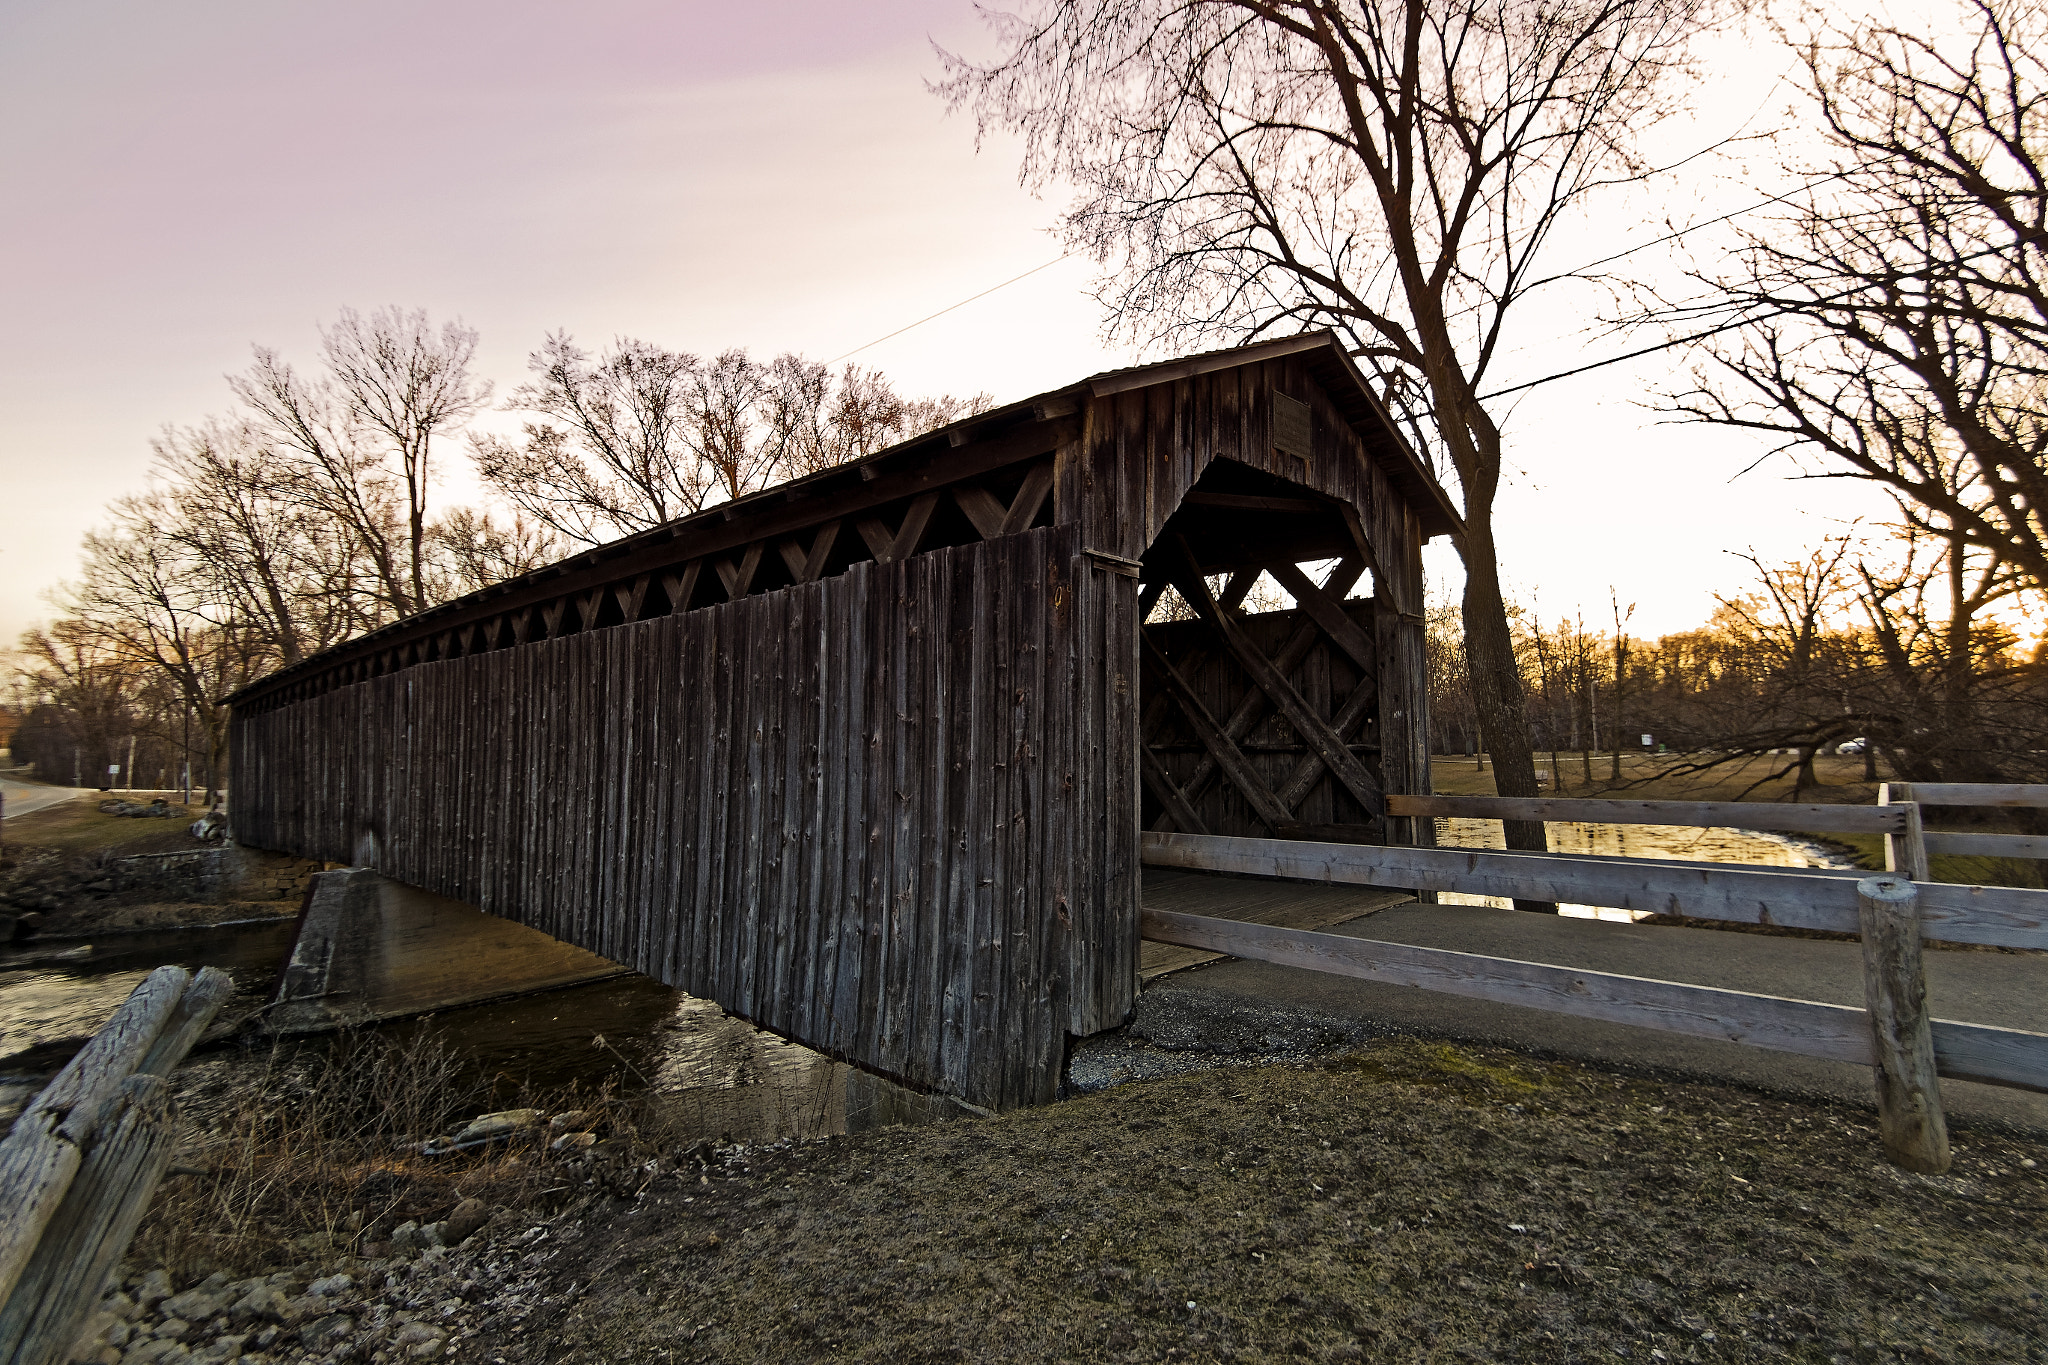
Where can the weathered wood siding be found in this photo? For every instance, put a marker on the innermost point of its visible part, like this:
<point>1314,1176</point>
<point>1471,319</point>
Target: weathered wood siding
<point>890,814</point>
<point>1142,450</point>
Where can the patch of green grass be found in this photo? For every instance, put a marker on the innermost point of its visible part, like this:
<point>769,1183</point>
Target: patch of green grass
<point>1656,777</point>
<point>1418,1063</point>
<point>1452,1061</point>
<point>79,826</point>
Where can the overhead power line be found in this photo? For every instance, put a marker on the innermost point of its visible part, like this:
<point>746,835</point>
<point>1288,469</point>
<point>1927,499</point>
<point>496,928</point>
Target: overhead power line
<point>950,307</point>
<point>1749,320</point>
<point>1604,260</point>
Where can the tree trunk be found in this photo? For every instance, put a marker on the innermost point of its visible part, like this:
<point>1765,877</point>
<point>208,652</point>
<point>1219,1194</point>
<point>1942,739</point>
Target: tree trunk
<point>1497,694</point>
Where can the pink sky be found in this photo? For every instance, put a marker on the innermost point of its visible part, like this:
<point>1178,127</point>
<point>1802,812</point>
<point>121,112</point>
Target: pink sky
<point>184,180</point>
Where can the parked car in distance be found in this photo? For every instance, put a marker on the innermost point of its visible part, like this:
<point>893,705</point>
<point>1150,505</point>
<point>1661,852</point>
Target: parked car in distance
<point>1852,746</point>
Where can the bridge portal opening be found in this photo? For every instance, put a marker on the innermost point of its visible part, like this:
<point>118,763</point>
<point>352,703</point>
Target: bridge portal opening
<point>1260,667</point>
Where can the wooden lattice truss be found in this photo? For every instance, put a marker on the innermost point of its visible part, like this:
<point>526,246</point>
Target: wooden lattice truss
<point>989,485</point>
<point>1264,723</point>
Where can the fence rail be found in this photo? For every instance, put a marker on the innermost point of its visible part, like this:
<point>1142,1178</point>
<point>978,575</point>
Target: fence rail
<point>1898,816</point>
<point>1892,1033</point>
<point>1810,819</point>
<point>1792,898</point>
<point>1987,845</point>
<point>1809,1028</point>
<point>2012,795</point>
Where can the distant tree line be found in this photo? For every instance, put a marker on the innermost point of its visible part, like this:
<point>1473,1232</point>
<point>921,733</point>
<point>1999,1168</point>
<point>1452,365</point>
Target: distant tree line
<point>1908,651</point>
<point>309,513</point>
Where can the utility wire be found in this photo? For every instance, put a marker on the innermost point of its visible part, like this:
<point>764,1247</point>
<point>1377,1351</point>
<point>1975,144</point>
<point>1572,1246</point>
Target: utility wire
<point>1604,260</point>
<point>1631,355</point>
<point>1750,320</point>
<point>950,307</point>
<point>1681,232</point>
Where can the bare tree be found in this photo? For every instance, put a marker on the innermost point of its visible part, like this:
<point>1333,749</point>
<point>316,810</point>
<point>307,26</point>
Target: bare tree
<point>1900,307</point>
<point>1951,699</point>
<point>318,457</point>
<point>409,383</point>
<point>355,444</point>
<point>164,613</point>
<point>641,435</point>
<point>69,669</point>
<point>476,550</point>
<point>614,450</point>
<point>287,571</point>
<point>1790,621</point>
<point>1392,169</point>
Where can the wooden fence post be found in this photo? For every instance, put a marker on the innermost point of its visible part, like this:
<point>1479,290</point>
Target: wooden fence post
<point>1909,1113</point>
<point>1906,851</point>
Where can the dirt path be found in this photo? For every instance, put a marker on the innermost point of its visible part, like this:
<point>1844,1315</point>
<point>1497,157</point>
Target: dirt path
<point>1408,1201</point>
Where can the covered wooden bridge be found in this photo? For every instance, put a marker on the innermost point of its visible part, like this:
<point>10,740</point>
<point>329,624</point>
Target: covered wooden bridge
<point>866,758</point>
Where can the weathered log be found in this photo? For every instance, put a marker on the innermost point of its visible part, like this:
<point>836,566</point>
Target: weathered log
<point>188,1023</point>
<point>85,1239</point>
<point>41,1156</point>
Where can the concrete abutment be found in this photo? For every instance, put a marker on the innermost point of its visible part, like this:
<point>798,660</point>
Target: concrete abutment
<point>370,948</point>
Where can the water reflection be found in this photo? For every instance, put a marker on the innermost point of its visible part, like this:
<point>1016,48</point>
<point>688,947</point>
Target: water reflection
<point>51,993</point>
<point>699,1071</point>
<point>1758,848</point>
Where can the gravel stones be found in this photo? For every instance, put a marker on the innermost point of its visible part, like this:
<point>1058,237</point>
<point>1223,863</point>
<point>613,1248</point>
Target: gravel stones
<point>404,1306</point>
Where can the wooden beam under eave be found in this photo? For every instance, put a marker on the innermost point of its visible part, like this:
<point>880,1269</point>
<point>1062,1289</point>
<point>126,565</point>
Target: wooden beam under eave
<point>925,467</point>
<point>983,508</point>
<point>739,577</point>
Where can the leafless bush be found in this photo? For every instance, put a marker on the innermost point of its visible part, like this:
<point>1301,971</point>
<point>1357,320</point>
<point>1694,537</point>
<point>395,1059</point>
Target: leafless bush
<point>322,1153</point>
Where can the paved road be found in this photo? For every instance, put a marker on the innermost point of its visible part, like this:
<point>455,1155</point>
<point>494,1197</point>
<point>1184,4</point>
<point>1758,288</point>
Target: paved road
<point>2005,989</point>
<point>23,797</point>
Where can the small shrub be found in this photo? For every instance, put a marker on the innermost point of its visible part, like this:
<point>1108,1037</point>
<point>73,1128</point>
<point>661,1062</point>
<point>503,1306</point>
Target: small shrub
<point>321,1153</point>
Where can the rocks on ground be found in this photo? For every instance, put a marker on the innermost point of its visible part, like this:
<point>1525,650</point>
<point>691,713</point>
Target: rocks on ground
<point>371,1294</point>
<point>405,1305</point>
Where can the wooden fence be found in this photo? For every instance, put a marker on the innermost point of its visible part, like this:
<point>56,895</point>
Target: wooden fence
<point>1908,850</point>
<point>83,1159</point>
<point>1868,907</point>
<point>1898,816</point>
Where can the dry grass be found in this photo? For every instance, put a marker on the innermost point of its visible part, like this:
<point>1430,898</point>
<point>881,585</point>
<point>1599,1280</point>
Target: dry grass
<point>319,1155</point>
<point>1410,1201</point>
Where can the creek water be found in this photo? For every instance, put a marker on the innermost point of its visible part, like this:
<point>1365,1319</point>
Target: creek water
<point>709,1074</point>
<point>705,1073</point>
<point>1713,845</point>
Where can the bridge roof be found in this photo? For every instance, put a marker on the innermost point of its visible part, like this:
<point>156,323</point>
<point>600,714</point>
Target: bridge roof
<point>960,451</point>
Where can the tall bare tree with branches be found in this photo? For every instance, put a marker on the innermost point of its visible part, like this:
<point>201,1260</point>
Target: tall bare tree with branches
<point>1392,169</point>
<point>640,435</point>
<point>1898,308</point>
<point>355,444</point>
